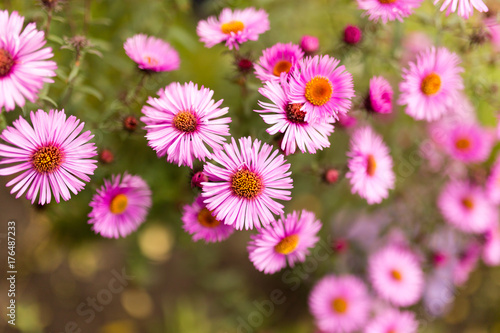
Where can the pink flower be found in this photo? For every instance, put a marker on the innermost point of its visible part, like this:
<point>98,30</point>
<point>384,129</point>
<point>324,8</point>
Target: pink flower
<point>288,118</point>
<point>466,207</point>
<point>339,304</point>
<point>183,121</point>
<point>347,121</point>
<point>309,44</point>
<point>287,240</point>
<point>370,166</point>
<point>465,7</point>
<point>53,156</point>
<point>233,28</point>
<point>380,96</point>
<point>493,183</point>
<point>396,275</point>
<point>432,85</point>
<point>199,222</point>
<point>393,321</point>
<point>491,249</point>
<point>322,86</point>
<point>23,62</point>
<point>152,54</point>
<point>277,59</point>
<point>120,206</point>
<point>388,10</point>
<point>467,262</point>
<point>244,183</point>
<point>468,142</point>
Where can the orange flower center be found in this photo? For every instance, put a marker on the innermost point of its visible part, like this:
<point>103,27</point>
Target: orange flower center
<point>294,114</point>
<point>246,184</point>
<point>232,27</point>
<point>151,61</point>
<point>463,144</point>
<point>387,1</point>
<point>431,84</point>
<point>47,159</point>
<point>396,275</point>
<point>287,245</point>
<point>319,90</point>
<point>340,305</point>
<point>118,204</point>
<point>468,203</point>
<point>282,66</point>
<point>371,165</point>
<point>206,219</point>
<point>185,121</point>
<point>6,62</point>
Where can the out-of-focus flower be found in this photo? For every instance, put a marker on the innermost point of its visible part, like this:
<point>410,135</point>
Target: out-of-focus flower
<point>388,10</point>
<point>493,30</point>
<point>279,58</point>
<point>467,142</point>
<point>151,53</point>
<point>493,183</point>
<point>233,27</point>
<point>120,206</point>
<point>244,183</point>
<point>53,156</point>
<point>352,34</point>
<point>309,44</point>
<point>130,123</point>
<point>393,320</point>
<point>346,121</point>
<point>465,7</point>
<point>331,176</point>
<point>491,249</point>
<point>106,156</point>
<point>414,43</point>
<point>380,96</point>
<point>466,263</point>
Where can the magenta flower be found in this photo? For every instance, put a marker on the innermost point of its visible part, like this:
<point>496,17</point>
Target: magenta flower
<point>200,223</point>
<point>287,240</point>
<point>432,85</point>
<point>120,206</point>
<point>388,10</point>
<point>465,7</point>
<point>183,121</point>
<point>233,27</point>
<point>396,275</point>
<point>53,156</point>
<point>468,142</point>
<point>352,34</point>
<point>380,96</point>
<point>288,118</point>
<point>339,304</point>
<point>23,62</point>
<point>370,166</point>
<point>466,207</point>
<point>347,121</point>
<point>322,86</point>
<point>493,183</point>
<point>152,54</point>
<point>277,59</point>
<point>244,183</point>
<point>393,320</point>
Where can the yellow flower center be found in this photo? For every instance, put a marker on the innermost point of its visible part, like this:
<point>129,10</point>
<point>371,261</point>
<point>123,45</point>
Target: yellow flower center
<point>151,61</point>
<point>282,66</point>
<point>340,305</point>
<point>185,121</point>
<point>118,204</point>
<point>468,203</point>
<point>294,114</point>
<point>232,26</point>
<point>319,90</point>
<point>431,84</point>
<point>47,159</point>
<point>396,275</point>
<point>287,245</point>
<point>463,144</point>
<point>371,165</point>
<point>6,62</point>
<point>206,219</point>
<point>246,184</point>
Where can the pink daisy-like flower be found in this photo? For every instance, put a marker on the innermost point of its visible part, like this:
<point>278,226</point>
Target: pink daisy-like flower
<point>468,142</point>
<point>199,222</point>
<point>233,28</point>
<point>289,119</point>
<point>432,85</point>
<point>466,207</point>
<point>370,166</point>
<point>287,240</point>
<point>120,206</point>
<point>493,183</point>
<point>388,10</point>
<point>393,321</point>
<point>465,7</point>
<point>245,182</point>
<point>380,96</point>
<point>182,121</point>
<point>491,249</point>
<point>277,59</point>
<point>23,62</point>
<point>339,304</point>
<point>323,87</point>
<point>53,156</point>
<point>151,53</point>
<point>396,275</point>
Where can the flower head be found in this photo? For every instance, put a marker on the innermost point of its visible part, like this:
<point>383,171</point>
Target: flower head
<point>277,59</point>
<point>388,10</point>
<point>467,142</point>
<point>465,7</point>
<point>380,96</point>
<point>152,54</point>
<point>393,321</point>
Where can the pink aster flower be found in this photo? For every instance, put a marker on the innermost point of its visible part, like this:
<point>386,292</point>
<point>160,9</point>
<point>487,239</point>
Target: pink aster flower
<point>324,87</point>
<point>370,166</point>
<point>288,118</point>
<point>244,183</point>
<point>468,142</point>
<point>393,320</point>
<point>152,54</point>
<point>233,27</point>
<point>53,156</point>
<point>491,249</point>
<point>380,95</point>
<point>199,222</point>
<point>120,206</point>
<point>183,121</point>
<point>277,59</point>
<point>339,304</point>
<point>432,85</point>
<point>466,207</point>
<point>388,10</point>
<point>493,183</point>
<point>23,62</point>
<point>465,7</point>
<point>396,275</point>
<point>287,240</point>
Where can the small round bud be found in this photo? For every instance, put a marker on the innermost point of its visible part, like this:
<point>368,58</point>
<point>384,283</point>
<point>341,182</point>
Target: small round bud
<point>340,245</point>
<point>309,44</point>
<point>130,123</point>
<point>331,176</point>
<point>198,178</point>
<point>352,35</point>
<point>106,156</point>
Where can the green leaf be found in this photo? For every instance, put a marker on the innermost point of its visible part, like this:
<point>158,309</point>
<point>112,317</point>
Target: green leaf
<point>90,91</point>
<point>73,73</point>
<point>48,99</point>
